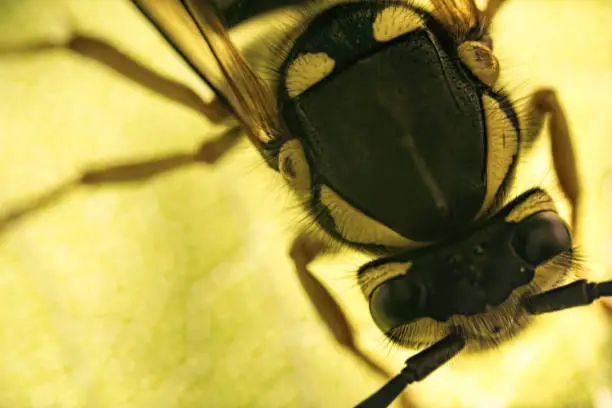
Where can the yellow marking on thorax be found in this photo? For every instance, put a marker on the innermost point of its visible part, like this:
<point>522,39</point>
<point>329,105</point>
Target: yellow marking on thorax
<point>395,21</point>
<point>480,60</point>
<point>536,202</point>
<point>307,70</point>
<point>355,226</point>
<point>502,146</point>
<point>293,166</point>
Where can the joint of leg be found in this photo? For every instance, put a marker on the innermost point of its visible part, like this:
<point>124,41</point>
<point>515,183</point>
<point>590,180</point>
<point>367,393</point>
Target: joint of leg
<point>546,100</point>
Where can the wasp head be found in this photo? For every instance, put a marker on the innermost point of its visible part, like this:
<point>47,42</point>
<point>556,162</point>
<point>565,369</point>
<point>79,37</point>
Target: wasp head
<point>474,284</point>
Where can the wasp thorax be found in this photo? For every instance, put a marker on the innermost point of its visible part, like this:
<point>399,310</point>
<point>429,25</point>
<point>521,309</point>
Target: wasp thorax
<point>306,70</point>
<point>386,112</point>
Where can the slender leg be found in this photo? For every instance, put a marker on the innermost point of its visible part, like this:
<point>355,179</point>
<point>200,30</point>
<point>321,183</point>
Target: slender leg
<point>491,10</point>
<point>304,250</point>
<point>109,56</point>
<point>545,101</point>
<point>128,172</point>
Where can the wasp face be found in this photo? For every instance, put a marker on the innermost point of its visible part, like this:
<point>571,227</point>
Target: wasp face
<point>398,122</point>
<point>475,285</point>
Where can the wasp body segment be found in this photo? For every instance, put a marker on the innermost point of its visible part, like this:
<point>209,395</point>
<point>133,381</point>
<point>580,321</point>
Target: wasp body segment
<point>384,87</point>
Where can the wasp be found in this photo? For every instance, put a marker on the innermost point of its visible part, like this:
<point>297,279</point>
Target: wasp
<point>387,121</point>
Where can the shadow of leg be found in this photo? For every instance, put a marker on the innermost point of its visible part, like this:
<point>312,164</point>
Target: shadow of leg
<point>106,54</point>
<point>136,171</point>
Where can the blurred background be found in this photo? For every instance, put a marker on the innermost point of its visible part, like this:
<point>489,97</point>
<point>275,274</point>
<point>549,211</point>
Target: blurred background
<point>180,293</point>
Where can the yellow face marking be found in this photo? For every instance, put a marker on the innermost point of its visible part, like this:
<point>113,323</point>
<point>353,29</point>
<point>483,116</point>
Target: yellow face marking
<point>395,21</point>
<point>293,166</point>
<point>536,202</point>
<point>480,60</point>
<point>496,324</point>
<point>355,226</point>
<point>374,277</point>
<point>306,70</point>
<point>502,146</point>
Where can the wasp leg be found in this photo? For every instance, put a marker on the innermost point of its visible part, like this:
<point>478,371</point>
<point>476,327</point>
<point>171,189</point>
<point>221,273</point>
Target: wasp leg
<point>491,10</point>
<point>543,102</point>
<point>304,250</point>
<point>128,172</point>
<point>109,56</point>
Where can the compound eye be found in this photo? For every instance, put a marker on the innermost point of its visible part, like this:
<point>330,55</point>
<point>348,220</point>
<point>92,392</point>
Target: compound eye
<point>397,302</point>
<point>540,237</point>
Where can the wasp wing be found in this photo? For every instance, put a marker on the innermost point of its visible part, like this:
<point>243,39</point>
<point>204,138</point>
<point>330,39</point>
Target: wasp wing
<point>463,16</point>
<point>194,30</point>
<point>172,20</point>
<point>459,16</point>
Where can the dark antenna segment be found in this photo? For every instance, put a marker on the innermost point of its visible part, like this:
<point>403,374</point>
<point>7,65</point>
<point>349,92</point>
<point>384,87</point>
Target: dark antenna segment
<point>579,293</point>
<point>417,368</point>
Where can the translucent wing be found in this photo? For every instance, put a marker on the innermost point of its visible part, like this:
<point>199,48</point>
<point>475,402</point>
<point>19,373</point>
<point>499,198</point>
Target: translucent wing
<point>463,16</point>
<point>459,16</point>
<point>174,22</point>
<point>195,31</point>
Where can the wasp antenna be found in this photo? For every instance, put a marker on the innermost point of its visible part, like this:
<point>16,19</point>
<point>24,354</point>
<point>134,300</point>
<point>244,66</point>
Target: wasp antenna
<point>417,368</point>
<point>579,293</point>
